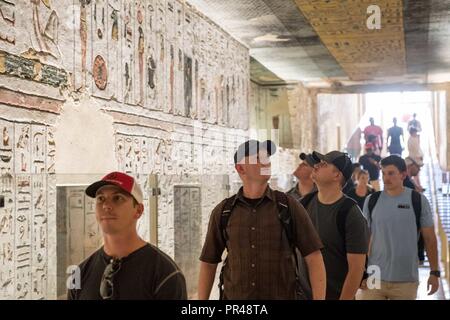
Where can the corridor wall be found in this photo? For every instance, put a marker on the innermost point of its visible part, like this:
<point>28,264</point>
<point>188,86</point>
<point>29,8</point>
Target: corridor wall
<point>147,87</point>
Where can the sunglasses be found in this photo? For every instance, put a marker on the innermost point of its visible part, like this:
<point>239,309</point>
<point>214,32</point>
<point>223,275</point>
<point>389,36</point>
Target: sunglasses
<point>107,283</point>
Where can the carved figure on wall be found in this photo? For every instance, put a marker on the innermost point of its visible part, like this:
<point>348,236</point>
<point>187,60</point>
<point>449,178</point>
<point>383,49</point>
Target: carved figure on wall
<point>7,20</point>
<point>151,68</point>
<point>115,25</point>
<point>171,78</point>
<point>141,49</point>
<point>5,137</point>
<point>83,38</point>
<point>99,19</point>
<point>46,38</point>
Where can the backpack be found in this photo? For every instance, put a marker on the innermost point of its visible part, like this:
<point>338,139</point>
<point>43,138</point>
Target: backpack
<point>284,215</point>
<point>416,200</point>
<point>341,217</point>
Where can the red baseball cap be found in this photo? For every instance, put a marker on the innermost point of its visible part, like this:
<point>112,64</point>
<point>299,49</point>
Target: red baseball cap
<point>123,181</point>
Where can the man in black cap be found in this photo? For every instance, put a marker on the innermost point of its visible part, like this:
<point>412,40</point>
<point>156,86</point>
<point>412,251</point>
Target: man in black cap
<point>260,228</point>
<point>303,173</point>
<point>126,267</point>
<point>340,223</point>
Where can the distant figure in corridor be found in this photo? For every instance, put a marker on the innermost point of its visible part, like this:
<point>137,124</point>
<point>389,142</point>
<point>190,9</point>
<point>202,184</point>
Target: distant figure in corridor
<point>371,162</point>
<point>126,267</point>
<point>394,134</point>
<point>414,150</point>
<point>414,123</point>
<point>261,228</point>
<point>362,189</point>
<point>374,134</point>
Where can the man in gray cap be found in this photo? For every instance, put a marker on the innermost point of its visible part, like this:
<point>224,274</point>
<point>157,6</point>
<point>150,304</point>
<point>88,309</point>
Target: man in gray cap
<point>303,173</point>
<point>260,228</point>
<point>340,223</point>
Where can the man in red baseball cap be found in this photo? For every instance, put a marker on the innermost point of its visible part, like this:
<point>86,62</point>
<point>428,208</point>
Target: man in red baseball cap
<point>126,267</point>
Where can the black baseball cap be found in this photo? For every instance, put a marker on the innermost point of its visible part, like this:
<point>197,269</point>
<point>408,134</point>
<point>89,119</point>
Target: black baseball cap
<point>339,159</point>
<point>307,157</point>
<point>251,147</point>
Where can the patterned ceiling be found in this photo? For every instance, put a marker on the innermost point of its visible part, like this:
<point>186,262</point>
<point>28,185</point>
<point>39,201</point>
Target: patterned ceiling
<point>324,43</point>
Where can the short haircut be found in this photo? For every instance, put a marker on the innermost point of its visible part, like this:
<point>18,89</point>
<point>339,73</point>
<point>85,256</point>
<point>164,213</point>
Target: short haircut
<point>396,161</point>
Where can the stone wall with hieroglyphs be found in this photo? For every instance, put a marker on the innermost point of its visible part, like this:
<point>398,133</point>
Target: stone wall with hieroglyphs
<point>174,84</point>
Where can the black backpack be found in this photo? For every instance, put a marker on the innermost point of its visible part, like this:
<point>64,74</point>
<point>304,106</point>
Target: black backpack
<point>284,215</point>
<point>343,211</point>
<point>416,200</point>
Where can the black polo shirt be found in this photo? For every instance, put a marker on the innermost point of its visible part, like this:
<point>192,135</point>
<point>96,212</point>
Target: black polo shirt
<point>146,274</point>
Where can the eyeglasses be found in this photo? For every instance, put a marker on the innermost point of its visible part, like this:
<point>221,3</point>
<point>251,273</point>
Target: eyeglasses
<point>107,284</point>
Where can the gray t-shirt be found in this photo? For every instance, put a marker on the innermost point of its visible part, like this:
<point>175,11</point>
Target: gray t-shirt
<point>394,235</point>
<point>335,249</point>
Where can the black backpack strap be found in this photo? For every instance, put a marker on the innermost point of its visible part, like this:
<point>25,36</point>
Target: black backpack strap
<point>285,216</point>
<point>372,202</point>
<point>307,198</point>
<point>342,214</point>
<point>225,216</point>
<point>416,199</point>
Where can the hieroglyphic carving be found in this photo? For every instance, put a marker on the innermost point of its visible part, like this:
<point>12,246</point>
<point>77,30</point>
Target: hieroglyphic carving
<point>7,189</point>
<point>187,212</point>
<point>141,38</point>
<point>343,30</point>
<point>39,241</point>
<point>51,150</point>
<point>22,148</point>
<point>114,52</point>
<point>128,57</point>
<point>83,44</point>
<point>38,154</point>
<point>100,75</point>
<point>45,27</point>
<point>92,234</point>
<point>7,21</point>
<point>161,56</point>
<point>22,237</point>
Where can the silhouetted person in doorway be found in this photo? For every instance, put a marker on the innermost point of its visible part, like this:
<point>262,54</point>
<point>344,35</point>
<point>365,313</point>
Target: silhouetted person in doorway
<point>394,134</point>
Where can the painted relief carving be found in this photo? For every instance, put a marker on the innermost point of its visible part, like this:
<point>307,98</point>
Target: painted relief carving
<point>45,27</point>
<point>83,39</point>
<point>100,72</point>
<point>22,148</point>
<point>7,21</point>
<point>128,54</point>
<point>141,50</point>
<point>99,19</point>
<point>187,86</point>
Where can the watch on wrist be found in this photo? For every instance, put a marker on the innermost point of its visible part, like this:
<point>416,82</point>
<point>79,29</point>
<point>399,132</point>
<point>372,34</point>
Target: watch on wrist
<point>435,273</point>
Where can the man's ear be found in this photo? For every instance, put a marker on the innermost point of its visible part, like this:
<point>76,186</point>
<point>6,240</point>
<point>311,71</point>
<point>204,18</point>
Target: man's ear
<point>140,211</point>
<point>239,168</point>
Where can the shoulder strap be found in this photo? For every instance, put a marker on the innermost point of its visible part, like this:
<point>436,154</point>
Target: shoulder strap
<point>225,216</point>
<point>372,202</point>
<point>285,215</point>
<point>416,199</point>
<point>307,198</point>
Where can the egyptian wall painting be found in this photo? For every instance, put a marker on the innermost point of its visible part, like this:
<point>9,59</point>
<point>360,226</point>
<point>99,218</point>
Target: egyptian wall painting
<point>187,225</point>
<point>158,55</point>
<point>25,161</point>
